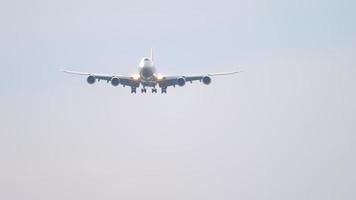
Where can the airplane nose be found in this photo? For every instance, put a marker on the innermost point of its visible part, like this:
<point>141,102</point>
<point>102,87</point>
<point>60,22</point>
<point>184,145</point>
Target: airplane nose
<point>147,72</point>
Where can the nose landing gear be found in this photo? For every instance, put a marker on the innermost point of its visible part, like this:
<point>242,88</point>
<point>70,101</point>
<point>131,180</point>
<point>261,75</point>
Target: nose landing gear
<point>133,90</point>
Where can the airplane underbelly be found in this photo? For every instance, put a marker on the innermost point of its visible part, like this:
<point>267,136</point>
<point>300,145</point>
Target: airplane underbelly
<point>148,83</point>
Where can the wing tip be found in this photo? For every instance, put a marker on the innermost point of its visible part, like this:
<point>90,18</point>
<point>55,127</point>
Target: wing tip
<point>68,72</point>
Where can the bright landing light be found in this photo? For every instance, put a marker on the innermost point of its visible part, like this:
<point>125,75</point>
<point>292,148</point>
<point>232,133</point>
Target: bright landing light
<point>159,76</point>
<point>136,76</point>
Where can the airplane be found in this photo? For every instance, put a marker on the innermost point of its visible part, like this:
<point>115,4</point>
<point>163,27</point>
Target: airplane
<point>148,77</point>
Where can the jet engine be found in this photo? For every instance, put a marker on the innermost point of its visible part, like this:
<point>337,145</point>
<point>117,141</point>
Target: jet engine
<point>180,81</point>
<point>115,81</point>
<point>206,80</point>
<point>91,79</point>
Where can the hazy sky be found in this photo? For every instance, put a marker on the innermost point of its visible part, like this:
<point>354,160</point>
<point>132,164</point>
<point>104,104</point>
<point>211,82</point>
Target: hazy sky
<point>283,129</point>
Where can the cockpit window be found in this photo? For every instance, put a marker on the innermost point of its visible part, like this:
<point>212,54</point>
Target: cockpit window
<point>146,59</point>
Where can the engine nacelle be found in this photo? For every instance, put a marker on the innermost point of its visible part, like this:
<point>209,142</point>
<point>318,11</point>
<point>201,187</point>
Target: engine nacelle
<point>206,80</point>
<point>91,79</point>
<point>180,81</point>
<point>115,81</point>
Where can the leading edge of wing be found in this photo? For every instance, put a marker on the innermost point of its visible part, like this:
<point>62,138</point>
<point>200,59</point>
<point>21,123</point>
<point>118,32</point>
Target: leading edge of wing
<point>224,73</point>
<point>87,74</point>
<point>74,72</point>
<point>200,75</point>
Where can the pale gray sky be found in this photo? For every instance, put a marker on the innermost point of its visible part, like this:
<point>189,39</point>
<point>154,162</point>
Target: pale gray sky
<point>283,129</point>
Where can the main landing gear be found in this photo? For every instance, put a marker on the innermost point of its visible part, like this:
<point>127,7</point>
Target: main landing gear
<point>133,90</point>
<point>144,90</point>
<point>164,90</point>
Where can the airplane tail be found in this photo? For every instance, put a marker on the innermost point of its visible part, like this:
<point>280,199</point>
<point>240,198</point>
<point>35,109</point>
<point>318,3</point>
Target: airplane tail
<point>151,54</point>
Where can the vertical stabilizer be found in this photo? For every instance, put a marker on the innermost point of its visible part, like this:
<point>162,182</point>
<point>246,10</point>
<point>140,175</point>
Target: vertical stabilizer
<point>151,54</point>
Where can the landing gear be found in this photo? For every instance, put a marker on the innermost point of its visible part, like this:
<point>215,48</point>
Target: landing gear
<point>133,90</point>
<point>144,90</point>
<point>164,90</point>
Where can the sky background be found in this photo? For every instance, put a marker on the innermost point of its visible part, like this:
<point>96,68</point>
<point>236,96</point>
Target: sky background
<point>285,128</point>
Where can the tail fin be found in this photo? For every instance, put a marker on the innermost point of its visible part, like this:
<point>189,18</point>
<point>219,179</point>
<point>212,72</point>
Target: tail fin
<point>151,54</point>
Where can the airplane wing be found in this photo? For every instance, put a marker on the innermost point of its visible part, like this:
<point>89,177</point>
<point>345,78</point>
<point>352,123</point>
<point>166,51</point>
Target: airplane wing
<point>167,81</point>
<point>131,81</point>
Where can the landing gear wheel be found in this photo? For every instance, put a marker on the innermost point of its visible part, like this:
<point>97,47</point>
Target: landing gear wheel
<point>154,90</point>
<point>133,90</point>
<point>143,90</point>
<point>164,90</point>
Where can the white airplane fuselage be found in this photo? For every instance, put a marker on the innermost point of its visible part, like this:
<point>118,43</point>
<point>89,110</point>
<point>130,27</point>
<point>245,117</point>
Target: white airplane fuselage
<point>147,72</point>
